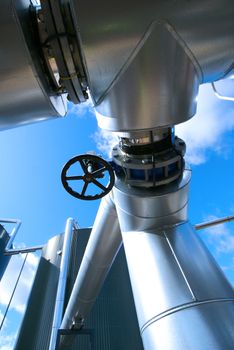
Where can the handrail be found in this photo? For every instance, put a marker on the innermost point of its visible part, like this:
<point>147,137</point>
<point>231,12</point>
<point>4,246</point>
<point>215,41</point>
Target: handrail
<point>14,251</point>
<point>13,232</point>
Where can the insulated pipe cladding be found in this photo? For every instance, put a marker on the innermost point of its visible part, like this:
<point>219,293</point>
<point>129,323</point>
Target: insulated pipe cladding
<point>103,245</point>
<point>142,63</point>
<point>182,298</point>
<point>28,94</point>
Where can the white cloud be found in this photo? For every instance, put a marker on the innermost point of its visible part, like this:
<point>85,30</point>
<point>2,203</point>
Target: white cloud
<point>8,281</point>
<point>105,141</point>
<point>220,236</point>
<point>216,230</point>
<point>81,109</point>
<point>1,318</point>
<point>7,341</point>
<point>206,130</point>
<point>226,244</point>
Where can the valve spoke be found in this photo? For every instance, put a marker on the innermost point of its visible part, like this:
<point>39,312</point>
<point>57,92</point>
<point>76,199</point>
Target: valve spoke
<point>99,171</point>
<point>84,188</point>
<point>83,166</point>
<point>74,178</point>
<point>98,184</point>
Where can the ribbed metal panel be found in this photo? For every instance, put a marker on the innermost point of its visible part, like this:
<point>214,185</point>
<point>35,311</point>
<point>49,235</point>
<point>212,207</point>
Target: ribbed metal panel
<point>113,318</point>
<point>4,260</point>
<point>37,322</point>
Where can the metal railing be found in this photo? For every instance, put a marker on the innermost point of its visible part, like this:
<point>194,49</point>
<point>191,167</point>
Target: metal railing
<point>14,251</point>
<point>14,231</point>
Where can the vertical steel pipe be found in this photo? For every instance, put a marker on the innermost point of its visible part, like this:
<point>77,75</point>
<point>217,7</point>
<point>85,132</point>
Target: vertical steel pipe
<point>60,296</point>
<point>182,298</point>
<point>102,247</point>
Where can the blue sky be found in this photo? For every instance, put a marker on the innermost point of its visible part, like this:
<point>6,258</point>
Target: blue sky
<point>32,158</point>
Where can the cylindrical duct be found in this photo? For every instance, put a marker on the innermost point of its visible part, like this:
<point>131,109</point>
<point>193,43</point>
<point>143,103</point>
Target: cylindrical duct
<point>182,298</point>
<point>102,247</point>
<point>27,95</point>
<point>144,62</point>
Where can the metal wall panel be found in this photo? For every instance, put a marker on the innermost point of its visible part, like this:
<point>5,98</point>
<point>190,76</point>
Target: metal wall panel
<point>37,322</point>
<point>112,320</point>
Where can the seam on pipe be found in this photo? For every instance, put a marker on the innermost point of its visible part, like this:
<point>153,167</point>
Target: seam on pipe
<point>180,267</point>
<point>139,46</point>
<point>186,49</point>
<point>180,308</point>
<point>157,217</point>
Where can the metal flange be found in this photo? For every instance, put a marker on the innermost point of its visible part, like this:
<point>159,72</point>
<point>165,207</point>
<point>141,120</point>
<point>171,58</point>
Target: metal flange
<point>60,44</point>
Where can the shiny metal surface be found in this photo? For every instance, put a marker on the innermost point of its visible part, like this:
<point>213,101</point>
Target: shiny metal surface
<point>63,49</point>
<point>62,282</point>
<point>102,247</point>
<point>141,209</point>
<point>128,52</point>
<point>112,319</point>
<point>152,90</point>
<point>173,275</point>
<point>145,137</point>
<point>37,322</point>
<point>205,326</point>
<point>25,93</point>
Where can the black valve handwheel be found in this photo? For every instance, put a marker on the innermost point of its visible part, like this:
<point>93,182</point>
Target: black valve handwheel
<point>93,168</point>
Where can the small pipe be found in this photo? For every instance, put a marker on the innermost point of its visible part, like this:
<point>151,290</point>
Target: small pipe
<point>10,221</point>
<point>103,245</point>
<point>221,97</point>
<point>203,225</point>
<point>60,297</point>
<point>23,250</point>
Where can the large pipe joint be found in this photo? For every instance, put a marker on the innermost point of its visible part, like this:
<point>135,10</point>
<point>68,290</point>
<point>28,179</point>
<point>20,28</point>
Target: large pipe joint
<point>143,209</point>
<point>161,80</point>
<point>144,63</point>
<point>149,159</point>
